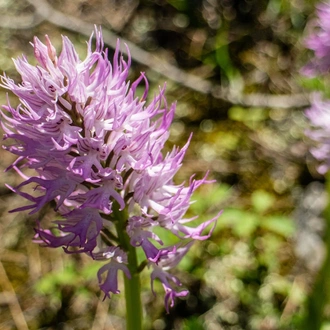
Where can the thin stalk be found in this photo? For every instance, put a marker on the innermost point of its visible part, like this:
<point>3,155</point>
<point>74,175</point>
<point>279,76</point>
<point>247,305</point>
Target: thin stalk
<point>133,294</point>
<point>132,285</point>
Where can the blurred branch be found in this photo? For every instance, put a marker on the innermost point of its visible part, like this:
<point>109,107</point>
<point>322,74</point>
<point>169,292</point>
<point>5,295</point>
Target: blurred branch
<point>139,55</point>
<point>101,315</point>
<point>47,12</point>
<point>284,101</point>
<point>21,22</point>
<point>13,303</point>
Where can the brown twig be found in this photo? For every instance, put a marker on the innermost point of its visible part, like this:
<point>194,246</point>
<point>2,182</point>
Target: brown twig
<point>101,315</point>
<point>13,303</point>
<point>283,101</point>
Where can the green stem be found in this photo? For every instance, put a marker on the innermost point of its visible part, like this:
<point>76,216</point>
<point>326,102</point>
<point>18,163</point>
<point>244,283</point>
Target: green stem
<point>133,295</point>
<point>132,285</point>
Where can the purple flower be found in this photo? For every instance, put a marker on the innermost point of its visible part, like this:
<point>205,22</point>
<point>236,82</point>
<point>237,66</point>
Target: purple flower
<point>319,112</point>
<point>118,260</point>
<point>139,234</point>
<point>96,149</point>
<point>319,117</point>
<point>319,42</point>
<point>169,258</point>
<point>81,229</point>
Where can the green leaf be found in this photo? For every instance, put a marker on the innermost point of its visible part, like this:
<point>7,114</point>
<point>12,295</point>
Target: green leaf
<point>314,83</point>
<point>180,5</point>
<point>193,323</point>
<point>262,200</point>
<point>243,223</point>
<point>247,115</point>
<point>279,224</point>
<point>237,113</point>
<point>202,200</point>
<point>50,282</point>
<point>325,326</point>
<point>89,270</point>
<point>46,285</point>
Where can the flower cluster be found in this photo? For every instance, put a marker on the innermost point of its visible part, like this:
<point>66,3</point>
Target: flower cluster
<point>96,148</point>
<point>319,112</point>
<point>319,42</point>
<point>319,117</point>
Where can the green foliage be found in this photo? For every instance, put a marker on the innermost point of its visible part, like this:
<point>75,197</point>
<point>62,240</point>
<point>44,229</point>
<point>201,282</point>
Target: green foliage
<point>193,323</point>
<point>249,240</point>
<point>216,194</point>
<point>219,56</point>
<point>245,222</point>
<point>249,116</point>
<point>261,200</point>
<point>180,5</point>
<point>53,283</point>
<point>279,224</point>
<point>242,222</point>
<point>318,84</point>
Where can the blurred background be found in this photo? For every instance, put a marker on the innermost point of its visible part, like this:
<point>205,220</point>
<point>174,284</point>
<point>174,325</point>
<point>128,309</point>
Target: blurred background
<point>234,68</point>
